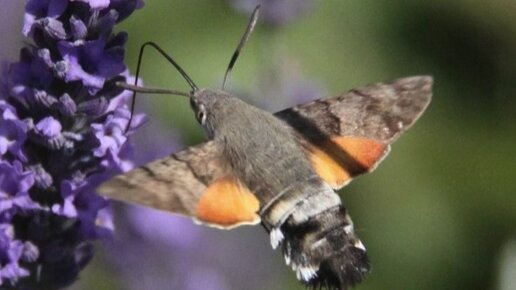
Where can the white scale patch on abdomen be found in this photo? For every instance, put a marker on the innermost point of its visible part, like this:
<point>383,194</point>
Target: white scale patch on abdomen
<point>300,202</point>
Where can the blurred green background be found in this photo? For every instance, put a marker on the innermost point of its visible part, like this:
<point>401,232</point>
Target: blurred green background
<point>440,211</point>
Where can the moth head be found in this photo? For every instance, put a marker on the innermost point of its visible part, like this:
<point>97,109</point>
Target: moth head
<point>211,108</point>
<point>202,101</point>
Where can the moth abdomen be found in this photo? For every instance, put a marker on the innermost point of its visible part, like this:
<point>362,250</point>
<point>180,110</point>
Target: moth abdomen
<point>325,251</point>
<point>316,235</point>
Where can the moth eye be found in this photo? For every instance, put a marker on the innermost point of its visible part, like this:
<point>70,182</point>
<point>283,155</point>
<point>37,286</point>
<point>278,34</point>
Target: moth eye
<point>201,116</point>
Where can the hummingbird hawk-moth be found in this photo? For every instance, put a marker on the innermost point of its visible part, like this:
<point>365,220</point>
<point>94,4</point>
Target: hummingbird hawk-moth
<point>282,169</point>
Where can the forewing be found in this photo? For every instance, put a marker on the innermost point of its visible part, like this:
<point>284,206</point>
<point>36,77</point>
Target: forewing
<point>349,134</point>
<point>196,182</point>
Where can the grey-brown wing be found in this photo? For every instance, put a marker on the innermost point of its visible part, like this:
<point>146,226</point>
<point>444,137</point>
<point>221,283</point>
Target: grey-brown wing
<point>380,111</point>
<point>350,134</point>
<point>196,182</point>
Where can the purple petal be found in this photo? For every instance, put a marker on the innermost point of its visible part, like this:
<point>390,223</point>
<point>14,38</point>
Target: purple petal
<point>37,7</point>
<point>67,188</point>
<point>12,135</point>
<point>34,69</point>
<point>28,23</point>
<point>14,185</point>
<point>5,203</point>
<point>105,219</point>
<point>75,71</point>
<point>79,28</point>
<point>89,62</point>
<point>13,179</point>
<point>24,201</point>
<point>7,111</point>
<point>56,7</point>
<point>13,271</point>
<point>124,161</point>
<point>111,134</point>
<point>49,127</point>
<point>106,22</point>
<point>111,65</point>
<point>97,4</point>
<point>125,7</point>
<point>67,208</point>
<point>4,144</point>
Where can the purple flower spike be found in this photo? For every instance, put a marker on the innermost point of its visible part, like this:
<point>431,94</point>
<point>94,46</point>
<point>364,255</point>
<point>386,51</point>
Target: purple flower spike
<point>275,12</point>
<point>62,129</point>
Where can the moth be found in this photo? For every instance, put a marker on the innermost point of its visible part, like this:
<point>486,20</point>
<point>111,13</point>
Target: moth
<point>280,170</point>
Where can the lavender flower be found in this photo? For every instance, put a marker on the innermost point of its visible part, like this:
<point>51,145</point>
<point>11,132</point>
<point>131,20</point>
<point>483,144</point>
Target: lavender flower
<point>275,12</point>
<point>283,85</point>
<point>62,129</point>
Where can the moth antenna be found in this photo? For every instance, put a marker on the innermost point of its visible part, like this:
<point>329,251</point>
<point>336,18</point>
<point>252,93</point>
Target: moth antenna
<point>149,90</point>
<point>243,40</point>
<point>170,59</point>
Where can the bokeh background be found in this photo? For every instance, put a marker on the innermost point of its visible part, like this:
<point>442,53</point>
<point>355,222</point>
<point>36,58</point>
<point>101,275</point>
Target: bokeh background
<point>440,211</point>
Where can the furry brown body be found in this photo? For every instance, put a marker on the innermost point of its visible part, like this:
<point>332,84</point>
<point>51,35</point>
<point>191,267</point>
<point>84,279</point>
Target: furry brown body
<point>299,210</point>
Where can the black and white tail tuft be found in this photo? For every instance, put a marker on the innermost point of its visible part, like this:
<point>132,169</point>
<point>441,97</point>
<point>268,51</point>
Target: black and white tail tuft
<point>324,250</point>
